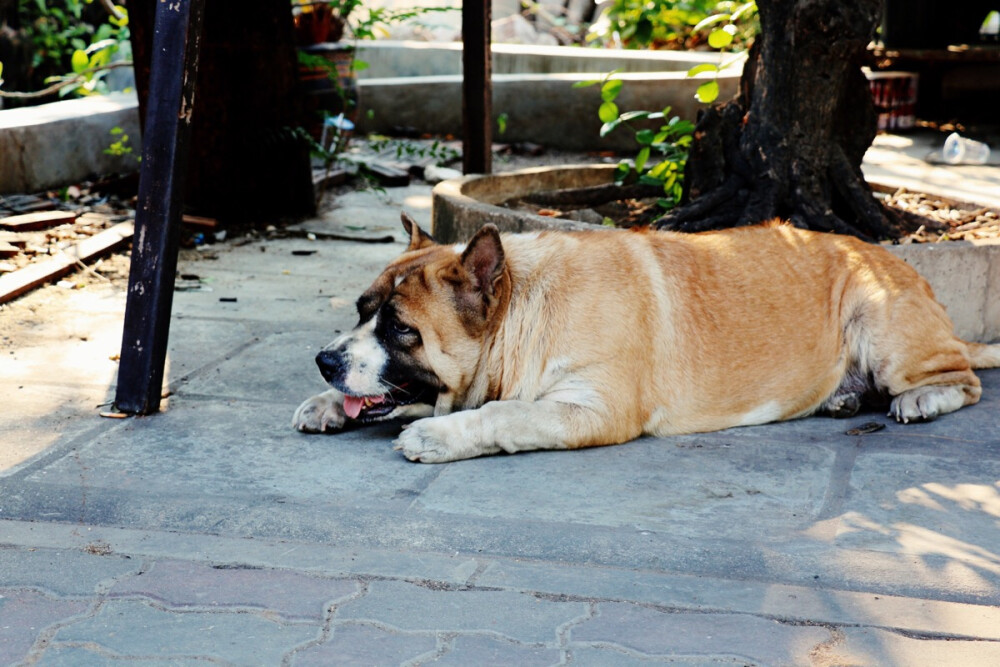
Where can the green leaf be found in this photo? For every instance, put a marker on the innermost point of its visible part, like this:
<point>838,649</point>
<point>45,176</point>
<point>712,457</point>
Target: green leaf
<point>635,115</point>
<point>711,20</point>
<point>123,21</point>
<point>644,31</point>
<point>79,61</point>
<point>747,8</point>
<point>704,67</point>
<point>659,171</point>
<point>1,71</point>
<point>608,128</point>
<point>607,112</point>
<point>707,92</point>
<point>610,90</point>
<point>645,137</point>
<point>641,158</point>
<point>585,84</point>
<point>720,39</point>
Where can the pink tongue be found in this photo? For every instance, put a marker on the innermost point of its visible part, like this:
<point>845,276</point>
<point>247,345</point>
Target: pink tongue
<point>353,404</point>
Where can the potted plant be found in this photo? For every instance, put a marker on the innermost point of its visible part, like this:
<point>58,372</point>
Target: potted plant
<point>327,68</point>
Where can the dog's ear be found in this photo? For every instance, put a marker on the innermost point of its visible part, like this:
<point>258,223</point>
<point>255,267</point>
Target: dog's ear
<point>418,237</point>
<point>483,258</point>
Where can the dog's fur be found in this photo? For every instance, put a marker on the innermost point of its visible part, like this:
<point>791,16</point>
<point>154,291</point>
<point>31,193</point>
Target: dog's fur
<point>559,340</point>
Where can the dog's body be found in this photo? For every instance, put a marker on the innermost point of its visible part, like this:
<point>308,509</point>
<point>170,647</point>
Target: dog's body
<point>558,340</point>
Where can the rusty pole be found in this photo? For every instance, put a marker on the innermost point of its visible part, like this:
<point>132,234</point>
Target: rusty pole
<point>173,69</point>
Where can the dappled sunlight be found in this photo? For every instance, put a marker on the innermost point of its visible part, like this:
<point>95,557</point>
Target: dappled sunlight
<point>59,369</point>
<point>417,203</point>
<point>972,497</point>
<point>920,541</point>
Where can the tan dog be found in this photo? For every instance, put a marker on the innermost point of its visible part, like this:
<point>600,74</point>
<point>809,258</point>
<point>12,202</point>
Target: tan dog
<point>559,340</point>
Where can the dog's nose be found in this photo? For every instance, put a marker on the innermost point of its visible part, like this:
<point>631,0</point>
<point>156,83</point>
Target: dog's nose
<point>331,365</point>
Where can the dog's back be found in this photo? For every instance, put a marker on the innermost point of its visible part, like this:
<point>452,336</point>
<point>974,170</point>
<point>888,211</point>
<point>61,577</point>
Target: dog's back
<point>679,333</point>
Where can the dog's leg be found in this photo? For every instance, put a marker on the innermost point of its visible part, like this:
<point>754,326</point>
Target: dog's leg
<point>927,402</point>
<point>925,369</point>
<point>505,426</point>
<point>321,413</point>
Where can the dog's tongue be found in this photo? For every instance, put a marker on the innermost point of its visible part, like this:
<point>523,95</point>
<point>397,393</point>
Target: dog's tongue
<point>353,404</point>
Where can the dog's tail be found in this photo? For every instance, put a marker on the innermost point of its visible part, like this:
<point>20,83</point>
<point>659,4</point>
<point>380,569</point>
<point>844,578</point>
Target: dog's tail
<point>984,356</point>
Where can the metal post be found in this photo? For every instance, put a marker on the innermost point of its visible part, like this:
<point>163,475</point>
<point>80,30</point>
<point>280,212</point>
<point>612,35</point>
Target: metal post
<point>477,88</point>
<point>173,69</point>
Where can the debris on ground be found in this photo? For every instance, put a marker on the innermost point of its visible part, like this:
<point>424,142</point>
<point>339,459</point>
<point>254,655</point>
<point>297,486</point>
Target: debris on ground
<point>43,225</point>
<point>948,220</point>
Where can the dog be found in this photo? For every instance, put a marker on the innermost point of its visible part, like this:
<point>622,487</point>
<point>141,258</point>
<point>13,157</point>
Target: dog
<point>561,340</point>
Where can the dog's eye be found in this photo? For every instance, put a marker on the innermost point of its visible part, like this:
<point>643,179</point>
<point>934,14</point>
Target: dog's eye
<point>401,329</point>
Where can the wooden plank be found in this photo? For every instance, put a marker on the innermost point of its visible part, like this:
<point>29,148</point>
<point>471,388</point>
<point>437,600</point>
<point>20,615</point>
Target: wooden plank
<point>20,240</point>
<point>30,222</point>
<point>200,222</point>
<point>477,88</point>
<point>16,283</point>
<point>8,250</point>
<point>166,132</point>
<point>387,175</point>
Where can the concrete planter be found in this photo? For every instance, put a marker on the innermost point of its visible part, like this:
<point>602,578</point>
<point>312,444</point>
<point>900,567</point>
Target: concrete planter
<point>960,273</point>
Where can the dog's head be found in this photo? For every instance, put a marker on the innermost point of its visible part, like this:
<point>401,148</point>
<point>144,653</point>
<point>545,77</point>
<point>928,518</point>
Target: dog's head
<point>422,326</point>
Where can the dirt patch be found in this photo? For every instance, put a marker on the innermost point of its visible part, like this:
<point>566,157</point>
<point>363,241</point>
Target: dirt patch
<point>930,218</point>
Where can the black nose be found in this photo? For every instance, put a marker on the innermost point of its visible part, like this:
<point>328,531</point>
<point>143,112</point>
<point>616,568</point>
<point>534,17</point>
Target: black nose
<point>331,365</point>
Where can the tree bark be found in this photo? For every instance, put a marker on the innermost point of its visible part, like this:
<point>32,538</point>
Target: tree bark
<point>246,161</point>
<point>790,144</point>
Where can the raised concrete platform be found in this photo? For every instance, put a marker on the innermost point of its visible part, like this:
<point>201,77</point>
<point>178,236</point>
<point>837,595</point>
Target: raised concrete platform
<point>57,144</point>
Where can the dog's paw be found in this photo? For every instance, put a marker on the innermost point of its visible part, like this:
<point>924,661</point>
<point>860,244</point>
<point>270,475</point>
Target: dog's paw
<point>321,413</point>
<point>842,406</point>
<point>926,403</point>
<point>442,439</point>
<point>424,441</point>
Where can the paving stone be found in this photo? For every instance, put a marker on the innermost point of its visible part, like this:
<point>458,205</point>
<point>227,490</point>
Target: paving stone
<point>409,607</point>
<point>136,629</point>
<point>352,644</point>
<point>25,614</point>
<point>871,646</point>
<point>61,571</point>
<point>289,594</point>
<point>726,636</point>
<point>607,656</point>
<point>489,652</point>
<point>62,655</point>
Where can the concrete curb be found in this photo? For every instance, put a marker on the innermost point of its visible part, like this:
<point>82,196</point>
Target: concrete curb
<point>961,274</point>
<point>541,108</point>
<point>63,142</point>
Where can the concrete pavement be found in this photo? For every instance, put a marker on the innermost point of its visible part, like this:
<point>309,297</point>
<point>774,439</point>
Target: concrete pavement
<point>213,533</point>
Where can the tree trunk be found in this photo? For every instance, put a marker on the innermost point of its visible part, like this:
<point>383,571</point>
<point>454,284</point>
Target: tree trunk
<point>246,161</point>
<point>790,144</point>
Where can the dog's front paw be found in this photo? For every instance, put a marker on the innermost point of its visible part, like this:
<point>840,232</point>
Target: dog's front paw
<point>423,441</point>
<point>442,439</point>
<point>321,413</point>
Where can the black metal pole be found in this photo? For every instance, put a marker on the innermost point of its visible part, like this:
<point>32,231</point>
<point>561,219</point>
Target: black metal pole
<point>477,88</point>
<point>173,69</point>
